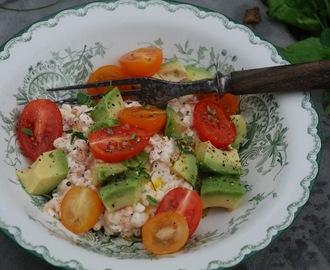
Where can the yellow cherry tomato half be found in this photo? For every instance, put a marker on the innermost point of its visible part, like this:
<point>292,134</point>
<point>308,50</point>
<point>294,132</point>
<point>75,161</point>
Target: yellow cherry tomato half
<point>165,233</point>
<point>80,209</point>
<point>142,62</point>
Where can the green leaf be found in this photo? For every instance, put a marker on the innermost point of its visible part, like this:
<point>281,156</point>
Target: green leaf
<point>299,13</point>
<point>307,50</point>
<point>325,37</point>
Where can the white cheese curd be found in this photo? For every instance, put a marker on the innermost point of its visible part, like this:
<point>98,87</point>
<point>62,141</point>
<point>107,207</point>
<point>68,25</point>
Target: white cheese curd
<point>164,149</point>
<point>120,222</point>
<point>76,117</point>
<point>132,104</point>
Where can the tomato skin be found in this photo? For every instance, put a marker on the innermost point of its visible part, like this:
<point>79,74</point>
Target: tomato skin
<point>228,102</point>
<point>44,119</point>
<point>80,209</point>
<point>104,73</point>
<point>165,233</point>
<point>118,143</point>
<point>185,202</point>
<point>149,118</point>
<point>212,124</point>
<point>142,62</point>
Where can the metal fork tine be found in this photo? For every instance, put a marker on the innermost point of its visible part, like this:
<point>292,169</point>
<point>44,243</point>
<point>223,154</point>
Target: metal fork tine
<point>100,84</point>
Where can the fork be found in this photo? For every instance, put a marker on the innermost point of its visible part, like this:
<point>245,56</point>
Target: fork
<point>285,78</point>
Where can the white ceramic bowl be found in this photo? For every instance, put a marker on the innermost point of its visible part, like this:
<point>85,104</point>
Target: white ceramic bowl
<point>280,160</point>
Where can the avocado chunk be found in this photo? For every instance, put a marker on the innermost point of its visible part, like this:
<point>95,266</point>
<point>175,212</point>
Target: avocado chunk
<point>104,172</point>
<point>222,191</point>
<point>218,161</point>
<point>174,123</point>
<point>172,71</point>
<point>186,167</point>
<point>109,106</point>
<point>122,192</point>
<point>104,123</point>
<point>195,74</point>
<point>241,130</point>
<point>138,161</point>
<point>45,173</point>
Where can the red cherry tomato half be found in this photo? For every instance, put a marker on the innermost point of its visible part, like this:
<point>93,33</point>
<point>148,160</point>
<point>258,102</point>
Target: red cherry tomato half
<point>118,143</point>
<point>39,124</point>
<point>228,102</point>
<point>212,124</point>
<point>185,202</point>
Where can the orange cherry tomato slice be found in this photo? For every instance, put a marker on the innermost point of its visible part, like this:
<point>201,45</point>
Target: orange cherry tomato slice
<point>228,102</point>
<point>165,233</point>
<point>143,62</point>
<point>186,202</point>
<point>104,73</point>
<point>149,118</point>
<point>80,209</point>
<point>212,124</point>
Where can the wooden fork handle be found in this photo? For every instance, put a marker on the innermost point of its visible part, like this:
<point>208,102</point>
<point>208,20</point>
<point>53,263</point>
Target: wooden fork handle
<point>299,77</point>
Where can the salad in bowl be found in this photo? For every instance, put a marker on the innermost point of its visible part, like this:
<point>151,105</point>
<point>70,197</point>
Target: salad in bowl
<point>132,169</point>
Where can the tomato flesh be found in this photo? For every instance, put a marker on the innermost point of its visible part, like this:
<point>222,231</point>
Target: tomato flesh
<point>43,119</point>
<point>149,118</point>
<point>212,124</point>
<point>165,233</point>
<point>142,62</point>
<point>80,209</point>
<point>118,143</point>
<point>185,202</point>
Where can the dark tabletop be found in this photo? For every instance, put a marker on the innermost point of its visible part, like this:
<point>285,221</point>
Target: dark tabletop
<point>304,245</point>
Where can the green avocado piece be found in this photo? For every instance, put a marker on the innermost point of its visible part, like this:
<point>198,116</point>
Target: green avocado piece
<point>241,130</point>
<point>45,173</point>
<point>105,123</point>
<point>109,106</point>
<point>104,172</point>
<point>195,74</point>
<point>172,71</point>
<point>138,161</point>
<point>218,161</point>
<point>122,192</point>
<point>222,191</point>
<point>174,123</point>
<point>186,167</point>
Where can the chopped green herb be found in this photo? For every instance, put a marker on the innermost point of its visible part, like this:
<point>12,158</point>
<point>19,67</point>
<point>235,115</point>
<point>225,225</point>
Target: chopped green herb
<point>152,201</point>
<point>184,143</point>
<point>133,137</point>
<point>84,99</point>
<point>27,131</point>
<point>75,134</point>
